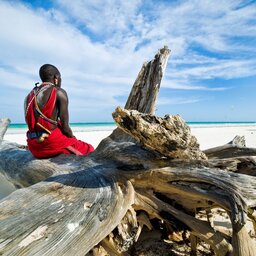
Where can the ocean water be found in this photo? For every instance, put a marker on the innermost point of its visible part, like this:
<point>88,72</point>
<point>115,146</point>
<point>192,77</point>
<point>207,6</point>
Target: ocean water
<point>76,127</point>
<point>102,126</point>
<point>86,125</point>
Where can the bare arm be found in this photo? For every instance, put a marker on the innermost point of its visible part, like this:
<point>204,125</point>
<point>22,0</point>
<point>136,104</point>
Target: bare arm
<point>62,105</point>
<point>25,106</point>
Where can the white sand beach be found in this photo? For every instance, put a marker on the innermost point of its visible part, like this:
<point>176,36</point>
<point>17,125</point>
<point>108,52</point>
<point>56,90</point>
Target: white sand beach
<point>208,136</point>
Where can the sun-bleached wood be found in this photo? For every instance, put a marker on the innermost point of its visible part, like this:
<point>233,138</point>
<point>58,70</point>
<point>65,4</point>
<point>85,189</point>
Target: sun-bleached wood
<point>145,89</point>
<point>100,203</point>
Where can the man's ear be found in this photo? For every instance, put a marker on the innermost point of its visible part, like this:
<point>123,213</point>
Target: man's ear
<point>55,79</point>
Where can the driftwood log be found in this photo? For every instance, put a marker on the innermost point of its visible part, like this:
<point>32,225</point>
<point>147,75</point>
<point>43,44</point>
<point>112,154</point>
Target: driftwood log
<point>149,174</point>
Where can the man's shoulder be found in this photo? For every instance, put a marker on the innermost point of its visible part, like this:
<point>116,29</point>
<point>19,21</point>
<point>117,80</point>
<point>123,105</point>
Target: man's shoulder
<point>61,92</point>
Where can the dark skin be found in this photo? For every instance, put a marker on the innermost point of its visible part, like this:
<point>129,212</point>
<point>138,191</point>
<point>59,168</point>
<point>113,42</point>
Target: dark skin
<point>60,111</point>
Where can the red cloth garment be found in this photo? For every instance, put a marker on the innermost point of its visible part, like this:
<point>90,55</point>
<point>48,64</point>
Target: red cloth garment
<point>56,143</point>
<point>47,111</point>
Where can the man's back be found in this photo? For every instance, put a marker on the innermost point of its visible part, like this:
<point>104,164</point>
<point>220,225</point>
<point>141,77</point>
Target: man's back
<point>43,94</point>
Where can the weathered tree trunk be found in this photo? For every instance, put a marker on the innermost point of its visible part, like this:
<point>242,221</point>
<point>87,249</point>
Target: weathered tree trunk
<point>148,174</point>
<point>145,90</point>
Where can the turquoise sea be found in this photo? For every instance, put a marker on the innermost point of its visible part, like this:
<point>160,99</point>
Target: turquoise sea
<point>108,126</point>
<point>76,127</point>
<point>102,125</point>
<point>99,124</point>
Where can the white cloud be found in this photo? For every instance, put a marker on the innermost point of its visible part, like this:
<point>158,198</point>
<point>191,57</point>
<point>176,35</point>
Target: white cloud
<point>100,48</point>
<point>175,101</point>
<point>207,23</point>
<point>179,25</point>
<point>36,37</point>
<point>181,85</point>
<point>226,69</point>
<point>109,17</point>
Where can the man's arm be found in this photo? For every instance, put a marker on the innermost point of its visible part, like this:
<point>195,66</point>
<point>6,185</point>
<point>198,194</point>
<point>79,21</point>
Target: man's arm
<point>25,107</point>
<point>62,105</point>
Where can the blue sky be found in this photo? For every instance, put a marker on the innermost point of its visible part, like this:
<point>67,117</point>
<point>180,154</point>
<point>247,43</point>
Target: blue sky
<point>99,47</point>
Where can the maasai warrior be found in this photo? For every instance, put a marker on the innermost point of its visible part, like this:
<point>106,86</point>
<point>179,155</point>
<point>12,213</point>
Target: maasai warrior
<point>46,114</point>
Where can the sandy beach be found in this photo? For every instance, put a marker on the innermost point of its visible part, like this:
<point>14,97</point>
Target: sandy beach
<point>208,136</point>
<point>213,136</point>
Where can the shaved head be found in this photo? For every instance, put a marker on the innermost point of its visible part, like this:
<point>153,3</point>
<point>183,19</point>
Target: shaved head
<point>48,72</point>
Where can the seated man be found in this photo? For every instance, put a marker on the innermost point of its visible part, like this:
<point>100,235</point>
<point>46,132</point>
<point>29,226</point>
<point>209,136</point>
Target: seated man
<point>46,114</point>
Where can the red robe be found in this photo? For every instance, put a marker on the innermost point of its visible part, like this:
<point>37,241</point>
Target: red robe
<point>56,143</point>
